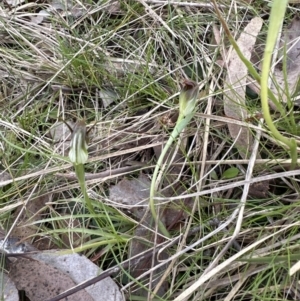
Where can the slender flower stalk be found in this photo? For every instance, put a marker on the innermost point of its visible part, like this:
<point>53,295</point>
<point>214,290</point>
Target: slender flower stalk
<point>187,102</point>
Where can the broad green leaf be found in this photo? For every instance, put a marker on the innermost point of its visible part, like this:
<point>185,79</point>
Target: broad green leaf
<point>230,173</point>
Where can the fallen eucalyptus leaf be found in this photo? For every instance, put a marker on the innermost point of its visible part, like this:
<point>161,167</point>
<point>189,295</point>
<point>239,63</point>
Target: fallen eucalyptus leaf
<point>79,269</point>
<point>48,274</point>
<point>41,281</point>
<point>234,98</point>
<point>133,193</point>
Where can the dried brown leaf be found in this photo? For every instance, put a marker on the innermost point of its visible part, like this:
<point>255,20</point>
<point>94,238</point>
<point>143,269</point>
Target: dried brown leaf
<point>259,190</point>
<point>41,281</point>
<point>79,269</point>
<point>234,98</point>
<point>133,193</point>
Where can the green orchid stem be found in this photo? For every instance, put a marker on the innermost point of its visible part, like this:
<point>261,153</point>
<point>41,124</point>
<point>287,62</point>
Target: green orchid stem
<point>277,6</point>
<point>79,169</point>
<point>291,143</point>
<point>247,63</point>
<point>181,123</point>
<point>276,19</point>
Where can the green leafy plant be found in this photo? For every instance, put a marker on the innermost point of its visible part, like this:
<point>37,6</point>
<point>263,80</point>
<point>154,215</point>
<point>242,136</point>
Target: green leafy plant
<point>230,173</point>
<point>276,18</point>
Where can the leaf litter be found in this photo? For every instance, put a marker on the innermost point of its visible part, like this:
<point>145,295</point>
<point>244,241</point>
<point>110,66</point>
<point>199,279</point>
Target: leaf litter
<point>134,194</point>
<point>42,281</point>
<point>44,275</point>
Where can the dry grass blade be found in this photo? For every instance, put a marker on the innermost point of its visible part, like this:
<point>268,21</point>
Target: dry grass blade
<point>226,263</point>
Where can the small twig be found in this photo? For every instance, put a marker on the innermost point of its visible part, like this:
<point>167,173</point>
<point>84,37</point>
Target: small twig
<point>106,173</point>
<point>191,4</point>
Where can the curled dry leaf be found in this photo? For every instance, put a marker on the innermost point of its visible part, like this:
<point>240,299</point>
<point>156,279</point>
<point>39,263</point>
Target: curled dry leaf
<point>235,85</point>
